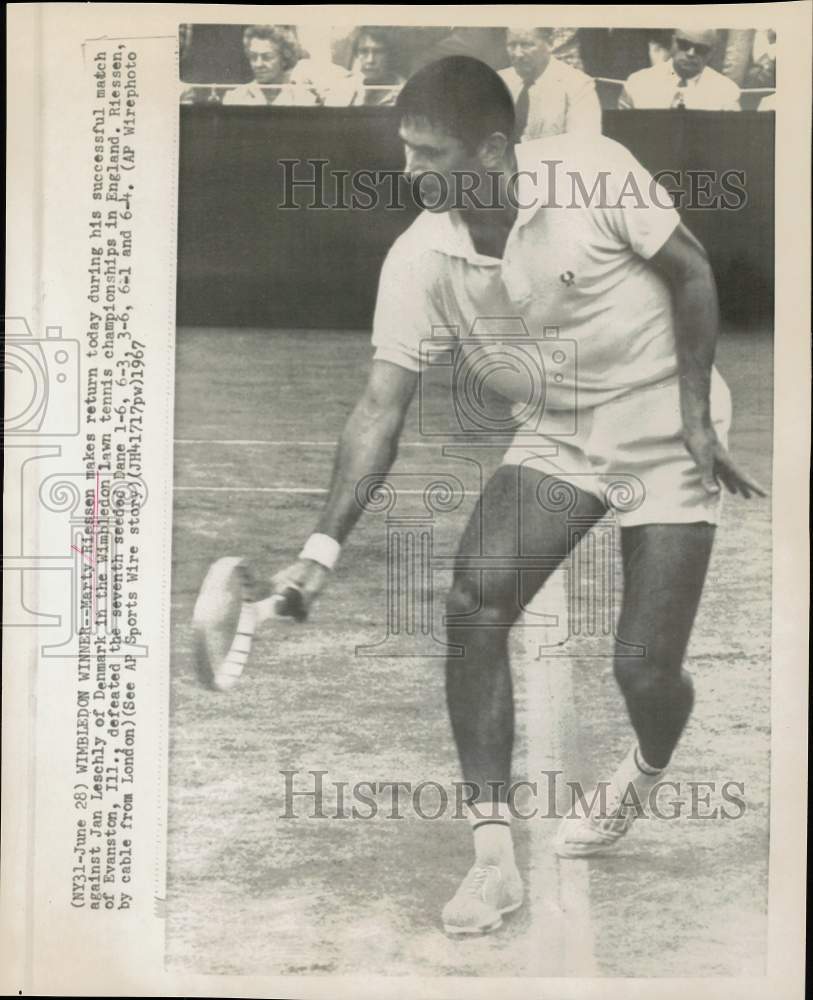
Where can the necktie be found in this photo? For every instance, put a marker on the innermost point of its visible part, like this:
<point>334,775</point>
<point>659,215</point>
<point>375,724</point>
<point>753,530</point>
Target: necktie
<point>521,111</point>
<point>679,100</point>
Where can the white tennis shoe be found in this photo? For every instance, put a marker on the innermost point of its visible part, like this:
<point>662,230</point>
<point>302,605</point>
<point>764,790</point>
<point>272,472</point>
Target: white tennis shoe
<point>590,835</point>
<point>485,894</point>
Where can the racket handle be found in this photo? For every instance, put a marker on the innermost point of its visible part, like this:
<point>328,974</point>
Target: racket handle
<point>290,604</point>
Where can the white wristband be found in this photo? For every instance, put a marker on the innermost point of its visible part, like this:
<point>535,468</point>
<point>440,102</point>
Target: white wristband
<point>322,549</point>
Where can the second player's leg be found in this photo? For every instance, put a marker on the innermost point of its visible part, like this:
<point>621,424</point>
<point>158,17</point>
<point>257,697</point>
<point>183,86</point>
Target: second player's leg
<point>664,570</point>
<point>483,603</point>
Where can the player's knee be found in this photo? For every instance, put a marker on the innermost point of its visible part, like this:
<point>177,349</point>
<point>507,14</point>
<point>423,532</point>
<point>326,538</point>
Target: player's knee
<point>468,605</point>
<point>663,654</point>
<point>639,677</point>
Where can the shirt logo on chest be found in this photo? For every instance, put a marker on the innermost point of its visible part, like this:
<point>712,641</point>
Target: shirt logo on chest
<point>567,278</point>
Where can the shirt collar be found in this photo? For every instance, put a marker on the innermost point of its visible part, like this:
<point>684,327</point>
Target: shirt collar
<point>457,242</point>
<point>691,82</point>
<point>448,234</point>
<point>548,72</point>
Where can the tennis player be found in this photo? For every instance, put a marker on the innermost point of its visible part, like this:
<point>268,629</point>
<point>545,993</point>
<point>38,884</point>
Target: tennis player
<point>609,262</point>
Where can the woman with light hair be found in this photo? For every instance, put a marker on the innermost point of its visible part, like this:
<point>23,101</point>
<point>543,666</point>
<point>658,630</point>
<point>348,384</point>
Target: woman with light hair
<point>274,53</point>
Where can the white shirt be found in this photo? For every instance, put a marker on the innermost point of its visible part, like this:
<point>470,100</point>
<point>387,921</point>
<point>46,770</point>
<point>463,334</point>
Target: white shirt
<point>657,86</point>
<point>561,99</point>
<point>298,90</point>
<point>352,92</point>
<point>569,262</point>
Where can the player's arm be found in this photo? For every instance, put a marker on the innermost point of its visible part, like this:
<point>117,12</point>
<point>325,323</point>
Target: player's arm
<point>367,446</point>
<point>368,443</point>
<point>684,264</point>
<point>405,312</point>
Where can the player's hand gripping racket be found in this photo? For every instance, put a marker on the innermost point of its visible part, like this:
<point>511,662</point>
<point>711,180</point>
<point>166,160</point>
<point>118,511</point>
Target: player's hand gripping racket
<point>289,603</point>
<point>294,589</point>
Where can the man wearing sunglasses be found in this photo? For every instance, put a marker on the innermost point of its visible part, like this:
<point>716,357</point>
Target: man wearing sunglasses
<point>685,80</point>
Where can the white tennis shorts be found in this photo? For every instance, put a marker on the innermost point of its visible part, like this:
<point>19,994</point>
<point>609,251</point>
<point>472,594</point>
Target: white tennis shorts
<point>629,453</point>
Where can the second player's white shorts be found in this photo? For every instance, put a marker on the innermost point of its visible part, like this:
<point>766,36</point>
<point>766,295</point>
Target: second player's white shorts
<point>629,452</point>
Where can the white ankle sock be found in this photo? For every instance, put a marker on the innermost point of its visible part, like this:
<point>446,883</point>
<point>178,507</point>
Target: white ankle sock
<point>491,827</point>
<point>642,765</point>
<point>635,771</point>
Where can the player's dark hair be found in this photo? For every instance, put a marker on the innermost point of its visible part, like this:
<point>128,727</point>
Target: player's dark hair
<point>461,95</point>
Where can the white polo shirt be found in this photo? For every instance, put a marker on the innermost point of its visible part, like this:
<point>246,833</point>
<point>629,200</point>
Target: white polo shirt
<point>571,261</point>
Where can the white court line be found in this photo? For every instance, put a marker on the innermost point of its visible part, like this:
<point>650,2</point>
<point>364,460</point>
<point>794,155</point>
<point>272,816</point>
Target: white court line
<point>559,890</point>
<point>239,442</point>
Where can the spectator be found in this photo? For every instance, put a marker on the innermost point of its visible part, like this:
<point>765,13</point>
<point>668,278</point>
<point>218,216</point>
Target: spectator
<point>763,60</point>
<point>273,53</point>
<point>732,56</point>
<point>374,79</point>
<point>683,81</point>
<point>550,96</point>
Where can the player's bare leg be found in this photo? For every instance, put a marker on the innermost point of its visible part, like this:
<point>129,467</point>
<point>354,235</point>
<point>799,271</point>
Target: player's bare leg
<point>664,570</point>
<point>481,608</point>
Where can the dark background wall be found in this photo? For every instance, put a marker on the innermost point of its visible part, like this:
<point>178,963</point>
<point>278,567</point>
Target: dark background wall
<point>243,261</point>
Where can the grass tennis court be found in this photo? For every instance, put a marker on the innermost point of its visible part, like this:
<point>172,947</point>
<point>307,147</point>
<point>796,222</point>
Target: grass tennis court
<point>257,415</point>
